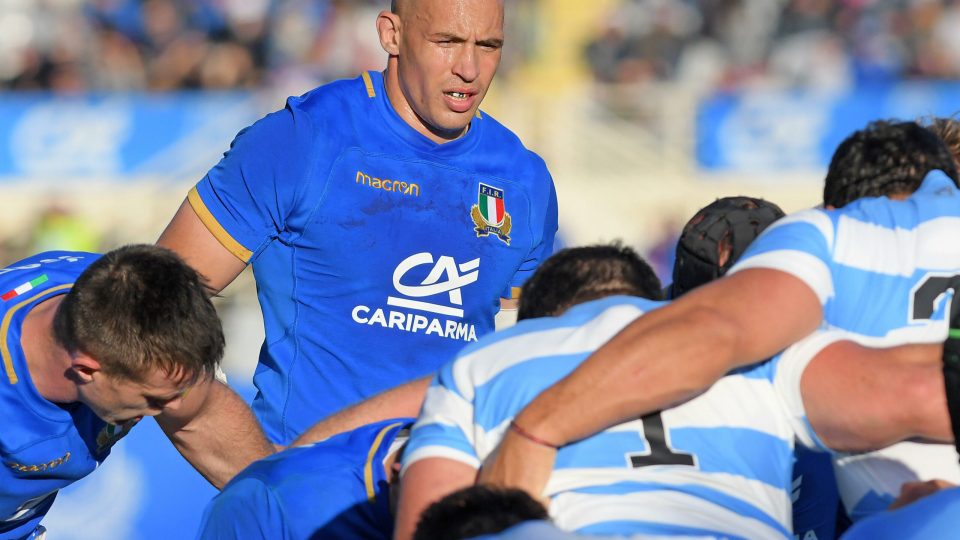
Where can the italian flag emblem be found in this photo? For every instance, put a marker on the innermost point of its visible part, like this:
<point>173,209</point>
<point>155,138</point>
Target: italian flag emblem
<point>489,215</point>
<point>490,201</point>
<point>26,287</point>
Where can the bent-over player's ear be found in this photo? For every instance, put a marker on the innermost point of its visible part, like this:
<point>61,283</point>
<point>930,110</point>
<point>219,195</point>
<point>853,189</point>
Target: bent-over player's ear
<point>83,367</point>
<point>388,28</point>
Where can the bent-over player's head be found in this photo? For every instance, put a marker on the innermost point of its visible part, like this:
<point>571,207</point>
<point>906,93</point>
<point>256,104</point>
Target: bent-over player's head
<point>477,510</point>
<point>576,275</point>
<point>142,322</point>
<point>948,129</point>
<point>715,237</point>
<point>886,158</point>
<point>443,55</point>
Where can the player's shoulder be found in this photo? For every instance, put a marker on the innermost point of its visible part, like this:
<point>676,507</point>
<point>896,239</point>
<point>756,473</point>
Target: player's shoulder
<point>308,114</point>
<point>334,99</point>
<point>500,140</point>
<point>43,270</point>
<point>609,311</point>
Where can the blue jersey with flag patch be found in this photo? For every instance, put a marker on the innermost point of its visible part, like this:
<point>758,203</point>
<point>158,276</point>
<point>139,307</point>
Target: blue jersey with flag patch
<point>362,231</point>
<point>717,465</point>
<point>880,268</point>
<point>334,489</point>
<point>43,446</point>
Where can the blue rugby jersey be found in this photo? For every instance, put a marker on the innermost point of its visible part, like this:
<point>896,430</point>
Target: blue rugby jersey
<point>934,516</point>
<point>880,268</point>
<point>44,447</point>
<point>717,465</point>
<point>333,489</point>
<point>377,253</point>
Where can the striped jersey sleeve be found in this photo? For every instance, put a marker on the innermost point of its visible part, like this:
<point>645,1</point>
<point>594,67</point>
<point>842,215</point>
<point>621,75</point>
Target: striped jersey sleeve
<point>799,244</point>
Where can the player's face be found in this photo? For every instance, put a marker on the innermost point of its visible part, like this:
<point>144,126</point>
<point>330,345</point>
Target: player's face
<point>117,400</point>
<point>449,53</point>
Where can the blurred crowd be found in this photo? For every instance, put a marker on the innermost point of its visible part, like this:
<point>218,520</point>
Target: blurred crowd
<point>159,45</point>
<point>823,44</point>
<point>81,45</point>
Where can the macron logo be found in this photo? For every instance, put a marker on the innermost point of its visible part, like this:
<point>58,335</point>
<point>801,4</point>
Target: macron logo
<point>455,277</point>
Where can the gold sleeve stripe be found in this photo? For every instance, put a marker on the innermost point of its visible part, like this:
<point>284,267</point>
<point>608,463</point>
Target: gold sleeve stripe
<point>368,466</point>
<point>215,228</point>
<point>5,327</point>
<point>369,84</point>
<point>515,293</point>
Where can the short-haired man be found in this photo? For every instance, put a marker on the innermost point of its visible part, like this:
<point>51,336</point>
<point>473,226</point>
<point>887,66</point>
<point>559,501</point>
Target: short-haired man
<point>91,344</point>
<point>385,209</point>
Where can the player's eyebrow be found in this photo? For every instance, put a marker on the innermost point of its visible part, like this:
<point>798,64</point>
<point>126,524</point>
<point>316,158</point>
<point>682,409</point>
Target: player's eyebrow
<point>496,43</point>
<point>487,42</point>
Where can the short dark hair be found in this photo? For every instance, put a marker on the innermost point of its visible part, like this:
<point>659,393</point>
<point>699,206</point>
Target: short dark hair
<point>475,511</point>
<point>138,308</point>
<point>715,237</point>
<point>885,158</point>
<point>575,275</point>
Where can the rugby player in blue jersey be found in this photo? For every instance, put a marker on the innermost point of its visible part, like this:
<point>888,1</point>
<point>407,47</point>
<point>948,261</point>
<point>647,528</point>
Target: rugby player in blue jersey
<point>874,267</point>
<point>386,210</point>
<point>91,344</point>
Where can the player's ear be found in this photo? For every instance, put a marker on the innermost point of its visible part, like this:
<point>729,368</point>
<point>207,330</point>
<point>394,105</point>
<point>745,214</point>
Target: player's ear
<point>83,367</point>
<point>388,28</point>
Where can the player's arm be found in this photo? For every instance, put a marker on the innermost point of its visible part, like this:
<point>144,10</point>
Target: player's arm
<point>424,483</point>
<point>402,401</point>
<point>215,431</point>
<point>187,235</point>
<point>663,358</point>
<point>859,398</point>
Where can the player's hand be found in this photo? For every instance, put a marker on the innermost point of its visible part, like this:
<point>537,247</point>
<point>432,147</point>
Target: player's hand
<point>519,463</point>
<point>913,491</point>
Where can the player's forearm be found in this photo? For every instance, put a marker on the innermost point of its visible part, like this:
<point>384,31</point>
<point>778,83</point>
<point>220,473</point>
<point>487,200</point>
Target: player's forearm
<point>672,354</point>
<point>402,401</point>
<point>221,438</point>
<point>859,398</point>
<point>622,381</point>
<point>424,483</point>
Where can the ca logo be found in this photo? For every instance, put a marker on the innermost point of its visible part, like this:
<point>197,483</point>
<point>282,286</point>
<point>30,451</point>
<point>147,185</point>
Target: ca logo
<point>457,276</point>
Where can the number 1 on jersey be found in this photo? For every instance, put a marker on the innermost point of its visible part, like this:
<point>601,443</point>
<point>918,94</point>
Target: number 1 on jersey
<point>658,451</point>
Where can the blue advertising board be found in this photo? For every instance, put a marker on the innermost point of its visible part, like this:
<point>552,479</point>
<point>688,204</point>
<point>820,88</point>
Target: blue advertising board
<point>799,129</point>
<point>118,136</point>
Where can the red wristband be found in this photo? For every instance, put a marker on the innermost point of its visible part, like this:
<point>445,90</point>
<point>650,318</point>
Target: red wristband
<point>530,437</point>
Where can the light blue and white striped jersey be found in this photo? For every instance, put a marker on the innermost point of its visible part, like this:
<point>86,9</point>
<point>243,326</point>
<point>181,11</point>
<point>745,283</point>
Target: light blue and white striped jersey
<point>719,464</point>
<point>880,268</point>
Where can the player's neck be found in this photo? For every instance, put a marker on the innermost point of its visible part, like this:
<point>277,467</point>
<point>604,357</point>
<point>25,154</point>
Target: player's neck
<point>403,109</point>
<point>47,361</point>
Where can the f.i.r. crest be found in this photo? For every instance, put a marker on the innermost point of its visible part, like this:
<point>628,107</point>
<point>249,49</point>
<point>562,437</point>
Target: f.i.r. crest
<point>490,215</point>
<point>111,433</point>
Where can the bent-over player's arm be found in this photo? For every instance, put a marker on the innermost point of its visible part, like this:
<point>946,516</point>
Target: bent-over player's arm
<point>402,401</point>
<point>859,398</point>
<point>187,235</point>
<point>215,431</point>
<point>665,357</point>
<point>424,483</point>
